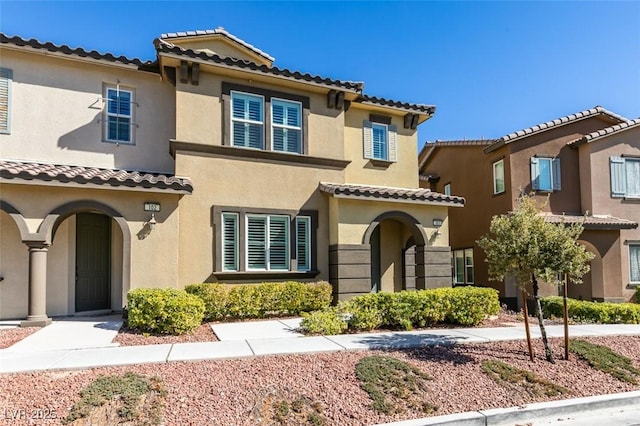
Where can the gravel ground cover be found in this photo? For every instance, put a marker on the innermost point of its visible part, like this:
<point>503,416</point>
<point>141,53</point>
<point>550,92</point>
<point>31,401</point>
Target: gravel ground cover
<point>11,336</point>
<point>229,392</point>
<point>128,337</point>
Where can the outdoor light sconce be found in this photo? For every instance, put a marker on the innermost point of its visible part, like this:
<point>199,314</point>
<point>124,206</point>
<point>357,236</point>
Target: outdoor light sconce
<point>437,223</point>
<point>152,222</point>
<point>153,207</point>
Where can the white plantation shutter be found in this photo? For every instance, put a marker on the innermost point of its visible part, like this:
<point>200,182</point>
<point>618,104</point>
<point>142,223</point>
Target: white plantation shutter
<point>367,132</point>
<point>634,263</point>
<point>393,143</point>
<point>286,118</point>
<point>6,76</point>
<point>535,174</point>
<point>618,177</point>
<point>632,167</point>
<point>303,242</point>
<point>247,120</point>
<point>230,241</point>
<point>256,242</point>
<point>279,242</point>
<point>557,183</point>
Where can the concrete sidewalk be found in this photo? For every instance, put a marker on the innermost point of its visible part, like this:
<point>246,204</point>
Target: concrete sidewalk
<point>53,347</point>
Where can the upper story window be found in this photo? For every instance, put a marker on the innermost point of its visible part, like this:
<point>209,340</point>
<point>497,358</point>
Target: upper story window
<point>380,140</point>
<point>447,189</point>
<point>6,78</point>
<point>118,121</point>
<point>247,120</point>
<point>264,119</point>
<point>286,125</point>
<point>625,177</point>
<point>545,174</point>
<point>498,177</point>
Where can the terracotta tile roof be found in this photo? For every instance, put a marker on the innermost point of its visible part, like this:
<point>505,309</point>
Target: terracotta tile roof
<point>218,31</point>
<point>78,51</point>
<point>412,195</point>
<point>429,147</point>
<point>421,108</point>
<point>163,46</point>
<point>597,110</point>
<point>94,175</point>
<point>592,222</point>
<point>627,125</point>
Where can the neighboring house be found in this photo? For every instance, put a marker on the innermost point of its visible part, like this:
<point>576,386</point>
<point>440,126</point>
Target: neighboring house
<point>586,163</point>
<point>207,164</point>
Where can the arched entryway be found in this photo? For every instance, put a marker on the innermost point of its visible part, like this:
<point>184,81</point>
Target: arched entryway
<point>593,282</point>
<point>93,241</point>
<point>397,242</point>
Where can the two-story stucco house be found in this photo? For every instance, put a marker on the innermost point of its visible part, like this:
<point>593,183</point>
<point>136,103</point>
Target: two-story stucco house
<point>208,163</point>
<point>587,164</point>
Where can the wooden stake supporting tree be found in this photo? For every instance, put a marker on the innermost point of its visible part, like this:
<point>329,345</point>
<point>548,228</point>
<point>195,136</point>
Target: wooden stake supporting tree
<point>521,244</point>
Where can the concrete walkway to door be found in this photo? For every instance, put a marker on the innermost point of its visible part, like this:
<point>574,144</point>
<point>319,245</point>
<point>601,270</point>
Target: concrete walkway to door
<point>72,333</point>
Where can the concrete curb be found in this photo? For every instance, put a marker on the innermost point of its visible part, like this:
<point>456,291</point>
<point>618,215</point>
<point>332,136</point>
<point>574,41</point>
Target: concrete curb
<point>537,411</point>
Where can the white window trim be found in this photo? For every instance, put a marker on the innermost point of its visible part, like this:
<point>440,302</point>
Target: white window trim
<point>108,114</point>
<point>268,242</point>
<point>286,126</point>
<point>447,189</point>
<point>307,220</point>
<point>248,121</point>
<point>386,141</point>
<point>465,267</point>
<point>495,181</point>
<point>7,74</point>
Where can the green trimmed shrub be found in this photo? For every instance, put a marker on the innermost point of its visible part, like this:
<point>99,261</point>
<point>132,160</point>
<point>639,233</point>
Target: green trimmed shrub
<point>471,305</point>
<point>594,312</point>
<point>326,321</point>
<point>637,295</point>
<point>223,301</point>
<point>365,315</point>
<point>163,311</point>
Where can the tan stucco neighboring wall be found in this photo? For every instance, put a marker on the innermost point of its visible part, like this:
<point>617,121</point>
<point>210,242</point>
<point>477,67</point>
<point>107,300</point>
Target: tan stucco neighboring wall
<point>200,118</point>
<point>153,261</point>
<point>247,184</point>
<point>14,268</point>
<point>403,173</point>
<point>66,104</point>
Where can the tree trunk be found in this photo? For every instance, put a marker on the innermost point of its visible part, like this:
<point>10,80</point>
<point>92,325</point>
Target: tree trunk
<point>543,331</point>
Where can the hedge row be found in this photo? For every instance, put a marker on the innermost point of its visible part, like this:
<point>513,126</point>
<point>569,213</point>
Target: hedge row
<point>163,311</point>
<point>594,312</point>
<point>405,310</point>
<point>224,301</point>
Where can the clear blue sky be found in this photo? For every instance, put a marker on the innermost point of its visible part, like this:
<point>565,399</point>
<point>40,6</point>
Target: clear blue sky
<point>490,67</point>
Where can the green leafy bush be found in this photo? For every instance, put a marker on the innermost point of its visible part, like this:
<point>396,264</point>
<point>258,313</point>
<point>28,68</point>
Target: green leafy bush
<point>224,301</point>
<point>409,309</point>
<point>326,321</point>
<point>163,311</point>
<point>594,312</point>
<point>637,295</point>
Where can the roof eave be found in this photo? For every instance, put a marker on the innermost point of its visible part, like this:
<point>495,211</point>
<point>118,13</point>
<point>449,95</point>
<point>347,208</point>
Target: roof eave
<point>396,200</point>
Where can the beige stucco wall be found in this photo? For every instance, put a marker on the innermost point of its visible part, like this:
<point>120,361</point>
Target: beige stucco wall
<point>240,183</point>
<point>64,98</point>
<point>153,259</point>
<point>217,44</point>
<point>199,114</point>
<point>403,173</point>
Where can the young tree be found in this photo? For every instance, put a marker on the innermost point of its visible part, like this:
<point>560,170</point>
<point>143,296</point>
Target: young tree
<point>522,245</point>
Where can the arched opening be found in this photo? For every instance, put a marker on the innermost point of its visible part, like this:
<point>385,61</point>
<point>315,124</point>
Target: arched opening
<point>89,258</point>
<point>593,281</point>
<point>14,267</point>
<point>395,238</point>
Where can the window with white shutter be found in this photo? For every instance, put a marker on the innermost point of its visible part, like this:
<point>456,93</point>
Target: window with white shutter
<point>247,120</point>
<point>286,125</point>
<point>380,141</point>
<point>634,263</point>
<point>118,122</point>
<point>278,243</point>
<point>498,177</point>
<point>625,177</point>
<point>267,242</point>
<point>6,78</point>
<point>545,174</point>
<point>303,242</point>
<point>230,241</point>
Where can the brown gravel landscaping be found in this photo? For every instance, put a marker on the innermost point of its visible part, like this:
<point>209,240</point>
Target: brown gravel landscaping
<point>233,392</point>
<point>11,336</point>
<point>128,337</point>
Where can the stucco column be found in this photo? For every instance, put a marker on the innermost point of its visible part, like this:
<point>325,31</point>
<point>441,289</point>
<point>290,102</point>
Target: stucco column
<point>37,286</point>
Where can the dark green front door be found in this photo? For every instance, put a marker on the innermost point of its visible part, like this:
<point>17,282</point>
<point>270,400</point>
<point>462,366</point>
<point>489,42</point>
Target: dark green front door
<point>93,261</point>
